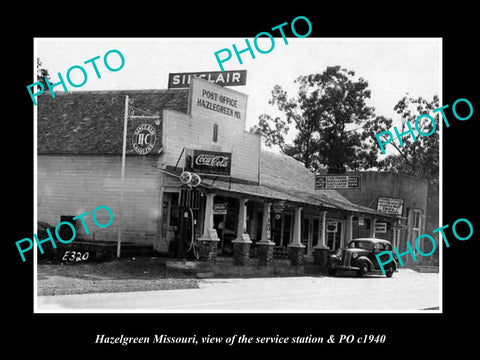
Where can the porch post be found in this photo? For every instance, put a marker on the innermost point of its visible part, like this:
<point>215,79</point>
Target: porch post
<point>372,227</point>
<point>320,251</point>
<point>350,228</point>
<point>297,249</point>
<point>241,244</point>
<point>265,246</point>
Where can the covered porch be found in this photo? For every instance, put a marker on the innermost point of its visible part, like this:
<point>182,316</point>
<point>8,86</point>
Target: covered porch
<point>257,222</point>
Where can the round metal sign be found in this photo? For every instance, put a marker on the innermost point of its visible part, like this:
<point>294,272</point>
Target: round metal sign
<point>144,139</point>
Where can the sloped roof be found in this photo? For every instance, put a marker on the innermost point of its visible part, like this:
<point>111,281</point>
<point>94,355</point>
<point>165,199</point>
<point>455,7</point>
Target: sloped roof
<point>91,122</point>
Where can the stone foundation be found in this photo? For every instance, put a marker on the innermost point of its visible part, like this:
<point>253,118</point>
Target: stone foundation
<point>297,255</point>
<point>320,257</point>
<point>207,250</point>
<point>241,253</point>
<point>265,253</point>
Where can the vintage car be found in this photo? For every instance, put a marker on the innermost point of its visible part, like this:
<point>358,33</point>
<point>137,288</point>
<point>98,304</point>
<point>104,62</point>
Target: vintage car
<point>359,256</point>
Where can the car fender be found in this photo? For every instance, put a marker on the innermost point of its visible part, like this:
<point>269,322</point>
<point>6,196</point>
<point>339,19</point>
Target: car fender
<point>366,259</point>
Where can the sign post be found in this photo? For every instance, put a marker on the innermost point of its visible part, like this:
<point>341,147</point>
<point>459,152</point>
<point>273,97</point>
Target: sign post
<point>143,142</point>
<point>122,176</point>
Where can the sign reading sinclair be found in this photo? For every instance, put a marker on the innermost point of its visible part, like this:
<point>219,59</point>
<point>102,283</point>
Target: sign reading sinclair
<point>225,78</point>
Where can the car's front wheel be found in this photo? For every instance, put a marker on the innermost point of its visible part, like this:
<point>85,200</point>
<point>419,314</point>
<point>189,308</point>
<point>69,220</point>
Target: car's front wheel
<point>363,271</point>
<point>332,271</point>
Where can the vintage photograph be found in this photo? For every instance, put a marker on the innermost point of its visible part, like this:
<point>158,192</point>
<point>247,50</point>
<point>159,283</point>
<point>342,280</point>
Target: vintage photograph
<point>300,175</point>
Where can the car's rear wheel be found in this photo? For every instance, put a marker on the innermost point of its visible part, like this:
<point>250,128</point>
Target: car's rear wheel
<point>363,271</point>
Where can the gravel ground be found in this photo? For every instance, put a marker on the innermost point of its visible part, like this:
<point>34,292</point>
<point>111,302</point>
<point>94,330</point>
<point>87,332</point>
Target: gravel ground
<point>131,274</point>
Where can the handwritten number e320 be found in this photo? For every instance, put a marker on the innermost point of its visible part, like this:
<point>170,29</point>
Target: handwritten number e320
<point>75,256</point>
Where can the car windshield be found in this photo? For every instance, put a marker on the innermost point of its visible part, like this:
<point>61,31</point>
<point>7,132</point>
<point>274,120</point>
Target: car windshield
<point>361,244</point>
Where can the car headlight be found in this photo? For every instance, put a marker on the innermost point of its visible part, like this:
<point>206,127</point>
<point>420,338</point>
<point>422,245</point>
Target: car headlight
<point>354,255</point>
<point>339,253</point>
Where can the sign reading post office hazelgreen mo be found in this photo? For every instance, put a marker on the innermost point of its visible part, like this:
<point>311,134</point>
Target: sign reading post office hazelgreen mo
<point>207,98</point>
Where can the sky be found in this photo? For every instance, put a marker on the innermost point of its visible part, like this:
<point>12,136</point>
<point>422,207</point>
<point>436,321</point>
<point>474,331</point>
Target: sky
<point>392,67</point>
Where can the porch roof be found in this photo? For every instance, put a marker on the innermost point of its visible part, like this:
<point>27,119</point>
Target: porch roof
<point>321,200</point>
<point>284,178</point>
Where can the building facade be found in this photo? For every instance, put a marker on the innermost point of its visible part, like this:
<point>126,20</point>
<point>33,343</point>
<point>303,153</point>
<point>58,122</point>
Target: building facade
<point>193,182</point>
<point>413,200</point>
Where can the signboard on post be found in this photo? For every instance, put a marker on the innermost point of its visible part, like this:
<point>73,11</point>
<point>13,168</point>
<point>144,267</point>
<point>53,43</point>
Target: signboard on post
<point>380,227</point>
<point>212,234</point>
<point>337,182</point>
<point>332,226</point>
<point>223,78</point>
<point>220,209</point>
<point>390,205</point>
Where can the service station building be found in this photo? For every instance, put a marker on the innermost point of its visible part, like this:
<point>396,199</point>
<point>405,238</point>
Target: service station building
<point>182,175</point>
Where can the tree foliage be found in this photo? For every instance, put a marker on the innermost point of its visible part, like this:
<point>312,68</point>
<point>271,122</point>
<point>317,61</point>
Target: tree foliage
<point>335,129</point>
<point>42,74</point>
<point>328,114</point>
<point>421,157</point>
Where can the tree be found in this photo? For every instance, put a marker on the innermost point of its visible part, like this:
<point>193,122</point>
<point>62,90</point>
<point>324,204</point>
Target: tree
<point>421,157</point>
<point>325,114</point>
<point>42,74</point>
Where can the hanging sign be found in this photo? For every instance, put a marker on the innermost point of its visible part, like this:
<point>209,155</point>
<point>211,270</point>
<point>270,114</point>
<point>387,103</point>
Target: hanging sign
<point>361,220</point>
<point>278,206</point>
<point>143,139</point>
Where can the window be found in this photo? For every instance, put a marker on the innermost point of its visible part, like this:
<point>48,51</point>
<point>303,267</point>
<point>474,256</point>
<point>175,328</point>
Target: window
<point>174,210</point>
<point>416,226</point>
<point>215,132</point>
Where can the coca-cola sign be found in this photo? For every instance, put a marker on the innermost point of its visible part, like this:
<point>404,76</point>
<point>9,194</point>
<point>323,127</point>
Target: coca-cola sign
<point>211,162</point>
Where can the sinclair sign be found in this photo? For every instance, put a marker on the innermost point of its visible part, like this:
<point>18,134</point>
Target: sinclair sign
<point>223,78</point>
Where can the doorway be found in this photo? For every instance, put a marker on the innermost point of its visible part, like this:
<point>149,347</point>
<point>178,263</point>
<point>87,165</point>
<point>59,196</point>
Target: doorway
<point>310,232</point>
<point>335,229</point>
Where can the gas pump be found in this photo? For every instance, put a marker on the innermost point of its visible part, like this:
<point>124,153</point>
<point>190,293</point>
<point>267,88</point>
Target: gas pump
<point>189,206</point>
